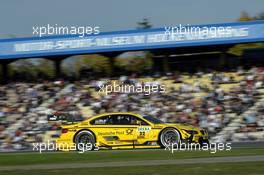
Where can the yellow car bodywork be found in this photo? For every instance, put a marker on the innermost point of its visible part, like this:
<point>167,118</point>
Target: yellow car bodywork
<point>139,135</point>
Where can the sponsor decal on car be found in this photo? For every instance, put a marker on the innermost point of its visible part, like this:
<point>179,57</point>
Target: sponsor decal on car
<point>129,131</point>
<point>144,129</point>
<point>111,133</point>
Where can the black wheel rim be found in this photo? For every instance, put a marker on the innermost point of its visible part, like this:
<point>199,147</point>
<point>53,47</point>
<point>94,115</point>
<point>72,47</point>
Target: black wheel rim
<point>170,137</point>
<point>85,139</point>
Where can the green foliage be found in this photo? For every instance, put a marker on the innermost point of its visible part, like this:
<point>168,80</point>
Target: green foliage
<point>238,49</point>
<point>98,63</point>
<point>135,63</point>
<point>244,16</point>
<point>32,67</point>
<point>259,16</point>
<point>46,67</point>
<point>144,24</point>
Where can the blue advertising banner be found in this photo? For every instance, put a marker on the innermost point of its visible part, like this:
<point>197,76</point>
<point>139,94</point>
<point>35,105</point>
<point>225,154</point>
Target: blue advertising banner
<point>167,37</point>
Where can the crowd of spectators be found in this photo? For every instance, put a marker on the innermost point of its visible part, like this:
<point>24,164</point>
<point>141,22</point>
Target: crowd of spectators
<point>209,110</point>
<point>24,106</point>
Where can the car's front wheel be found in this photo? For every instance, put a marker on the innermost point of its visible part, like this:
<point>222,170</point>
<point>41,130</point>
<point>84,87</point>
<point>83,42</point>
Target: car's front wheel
<point>85,141</point>
<point>169,137</point>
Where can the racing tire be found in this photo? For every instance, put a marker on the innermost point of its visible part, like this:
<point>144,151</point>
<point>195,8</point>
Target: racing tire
<point>84,138</point>
<point>169,137</point>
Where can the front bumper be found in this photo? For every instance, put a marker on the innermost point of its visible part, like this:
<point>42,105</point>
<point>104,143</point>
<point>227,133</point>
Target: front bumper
<point>196,136</point>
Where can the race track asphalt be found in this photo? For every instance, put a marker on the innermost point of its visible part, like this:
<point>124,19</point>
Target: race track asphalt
<point>134,163</point>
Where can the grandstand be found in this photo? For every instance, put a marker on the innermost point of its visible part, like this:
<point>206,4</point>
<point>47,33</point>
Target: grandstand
<point>227,102</point>
<point>210,100</point>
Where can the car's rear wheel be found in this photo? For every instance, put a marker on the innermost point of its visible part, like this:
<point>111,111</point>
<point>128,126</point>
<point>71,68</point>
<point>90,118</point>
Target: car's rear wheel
<point>169,137</point>
<point>85,141</point>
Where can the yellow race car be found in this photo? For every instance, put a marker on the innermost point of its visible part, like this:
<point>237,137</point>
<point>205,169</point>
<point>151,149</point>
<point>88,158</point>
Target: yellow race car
<point>129,130</point>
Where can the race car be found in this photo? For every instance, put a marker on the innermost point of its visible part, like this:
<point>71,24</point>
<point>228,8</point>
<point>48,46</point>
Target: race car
<point>129,130</point>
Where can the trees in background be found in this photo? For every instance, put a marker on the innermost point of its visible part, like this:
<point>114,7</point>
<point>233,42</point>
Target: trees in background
<point>144,24</point>
<point>136,62</point>
<point>239,48</point>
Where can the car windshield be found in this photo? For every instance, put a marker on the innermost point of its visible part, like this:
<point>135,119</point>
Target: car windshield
<point>153,119</point>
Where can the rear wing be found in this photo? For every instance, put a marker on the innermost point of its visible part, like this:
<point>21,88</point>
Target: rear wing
<point>68,118</point>
<point>52,117</point>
